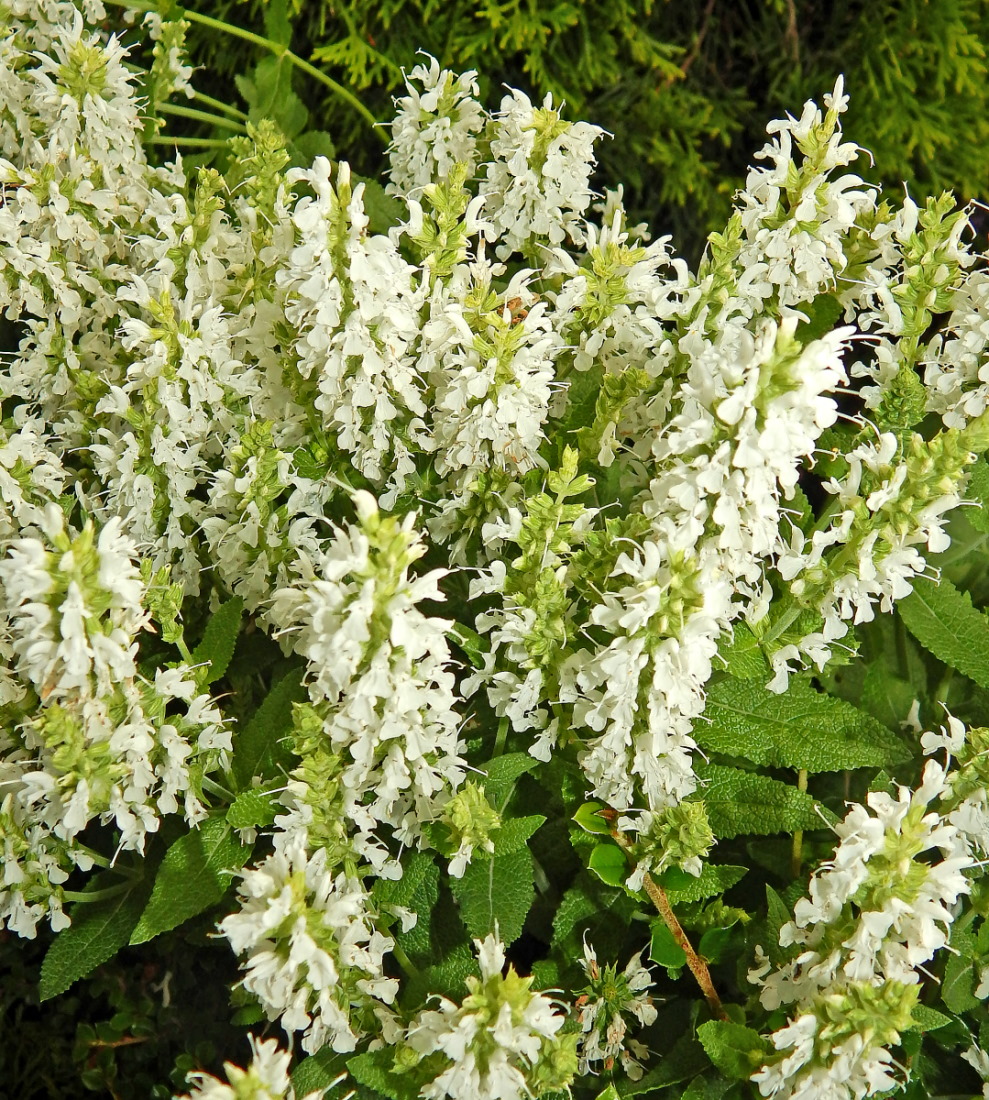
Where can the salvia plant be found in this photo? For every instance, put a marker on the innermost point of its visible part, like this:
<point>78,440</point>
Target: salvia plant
<point>547,669</point>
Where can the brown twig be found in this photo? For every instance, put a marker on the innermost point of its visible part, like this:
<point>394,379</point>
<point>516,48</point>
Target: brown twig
<point>657,895</point>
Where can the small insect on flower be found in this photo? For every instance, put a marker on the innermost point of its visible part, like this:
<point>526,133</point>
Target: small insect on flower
<point>517,312</point>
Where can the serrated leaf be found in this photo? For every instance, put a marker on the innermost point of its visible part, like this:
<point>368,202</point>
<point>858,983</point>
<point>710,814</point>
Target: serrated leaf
<point>312,144</point>
<point>608,862</point>
<point>448,978</point>
<point>98,930</point>
<point>715,878</point>
<point>887,697</point>
<point>192,877</point>
<point>742,654</point>
<point>822,315</point>
<point>946,624</point>
<point>959,973</point>
<point>800,729</point>
<point>515,832</point>
<point>929,1019</point>
<point>418,889</point>
<point>777,914</point>
<point>740,803</point>
<point>736,1050</point>
<point>217,647</point>
<point>496,893</point>
<point>664,949</point>
<point>708,1087</point>
<point>252,809</point>
<point>318,1071</point>
<point>978,490</point>
<point>501,774</point>
<point>259,749</point>
<point>375,1070</point>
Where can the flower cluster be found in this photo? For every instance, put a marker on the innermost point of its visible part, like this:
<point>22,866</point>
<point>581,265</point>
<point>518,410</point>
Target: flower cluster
<point>602,1009</point>
<point>875,914</point>
<point>502,1043</point>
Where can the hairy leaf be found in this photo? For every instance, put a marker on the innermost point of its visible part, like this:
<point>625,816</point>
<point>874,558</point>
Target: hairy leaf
<point>736,1050</point>
<point>98,930</point>
<point>258,748</point>
<point>217,646</point>
<point>944,621</point>
<point>715,878</point>
<point>418,889</point>
<point>801,729</point>
<point>496,893</point>
<point>743,802</point>
<point>193,876</point>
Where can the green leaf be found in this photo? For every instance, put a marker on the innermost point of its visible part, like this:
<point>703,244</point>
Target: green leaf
<point>740,802</point>
<point>742,654</point>
<point>946,624</point>
<point>258,748</point>
<point>777,914</point>
<point>822,315</point>
<point>978,490</point>
<point>418,889</point>
<point>959,973</point>
<point>608,862</point>
<point>886,696</point>
<point>217,647</point>
<point>713,943</point>
<point>252,809</point>
<point>800,729</point>
<point>318,1071</point>
<point>192,877</point>
<point>446,978</point>
<point>707,1087</point>
<point>501,773</point>
<point>473,646</point>
<point>588,818</point>
<point>715,878</point>
<point>496,893</point>
<point>736,1050</point>
<point>515,832</point>
<point>98,930</point>
<point>664,949</point>
<point>375,1070</point>
<point>685,1060</point>
<point>929,1019</point>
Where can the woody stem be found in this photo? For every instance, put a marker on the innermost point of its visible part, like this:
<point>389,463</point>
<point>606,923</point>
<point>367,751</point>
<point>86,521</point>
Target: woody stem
<point>696,964</point>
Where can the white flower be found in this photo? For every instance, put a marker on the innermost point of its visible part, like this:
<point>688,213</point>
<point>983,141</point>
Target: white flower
<point>538,175</point>
<point>495,1040</point>
<point>266,1078</point>
<point>434,128</point>
<point>311,953</point>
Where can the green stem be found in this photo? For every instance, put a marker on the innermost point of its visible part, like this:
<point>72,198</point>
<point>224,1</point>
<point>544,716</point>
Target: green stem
<point>100,861</point>
<point>403,960</point>
<point>97,895</point>
<point>279,50</point>
<point>196,143</point>
<point>500,738</point>
<point>201,116</point>
<point>797,852</point>
<point>219,105</point>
